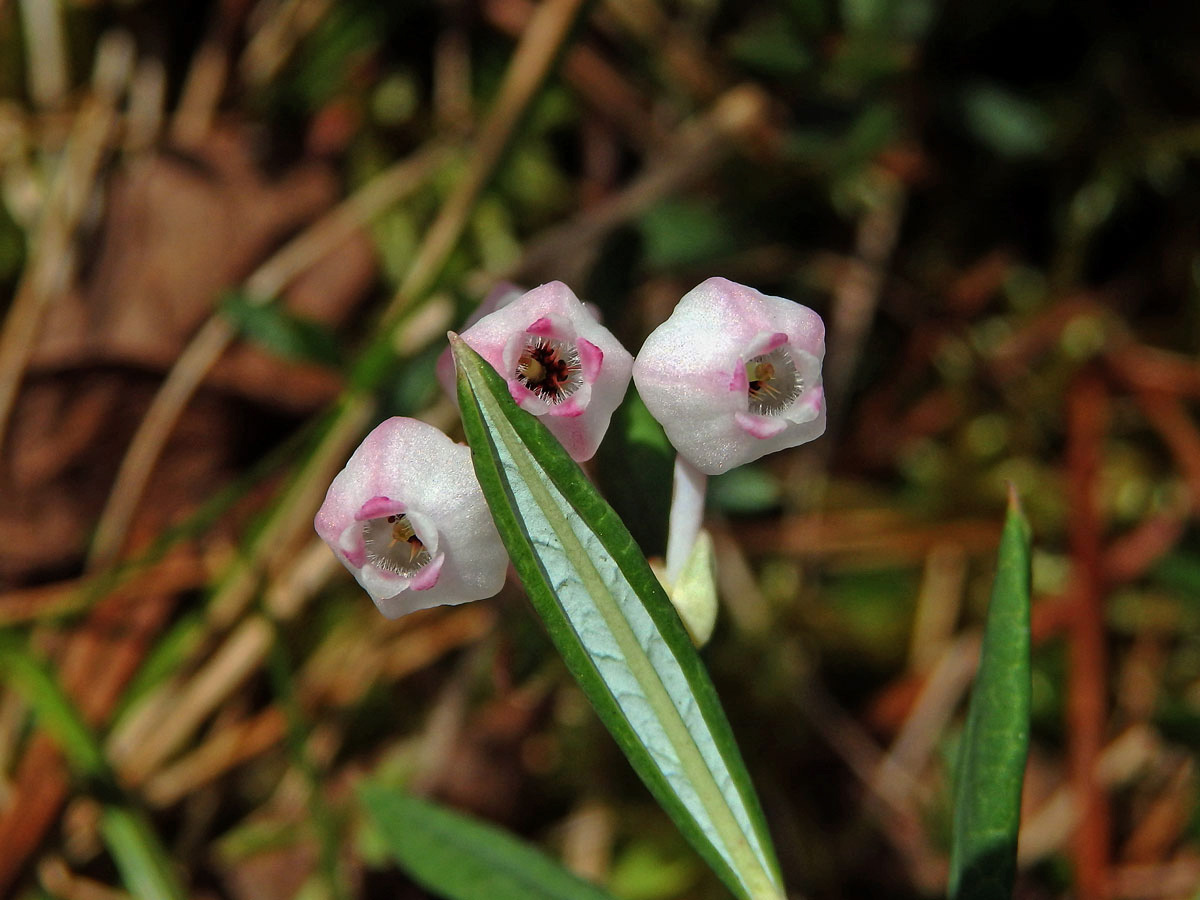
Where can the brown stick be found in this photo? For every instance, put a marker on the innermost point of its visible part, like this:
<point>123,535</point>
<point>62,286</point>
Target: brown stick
<point>1087,422</point>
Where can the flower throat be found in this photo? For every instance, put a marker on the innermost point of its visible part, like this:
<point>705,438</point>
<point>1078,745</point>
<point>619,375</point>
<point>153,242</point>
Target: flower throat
<point>393,545</point>
<point>774,383</point>
<point>550,369</point>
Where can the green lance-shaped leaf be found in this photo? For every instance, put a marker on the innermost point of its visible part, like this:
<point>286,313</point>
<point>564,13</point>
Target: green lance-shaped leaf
<point>616,630</point>
<point>464,859</point>
<point>987,807</point>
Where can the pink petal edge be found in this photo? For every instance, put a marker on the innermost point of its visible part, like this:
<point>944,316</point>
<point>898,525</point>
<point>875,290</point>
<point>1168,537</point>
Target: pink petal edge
<point>591,358</point>
<point>568,409</point>
<point>543,327</point>
<point>377,508</point>
<point>738,382</point>
<point>760,427</point>
<point>428,576</point>
<point>765,342</point>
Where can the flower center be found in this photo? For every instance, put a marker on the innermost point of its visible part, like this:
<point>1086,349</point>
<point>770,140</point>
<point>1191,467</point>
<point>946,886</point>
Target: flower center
<point>393,545</point>
<point>550,369</point>
<point>774,382</point>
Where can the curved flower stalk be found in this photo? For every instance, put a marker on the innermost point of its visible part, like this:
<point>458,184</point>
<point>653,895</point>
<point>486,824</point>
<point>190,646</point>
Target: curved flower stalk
<point>559,362</point>
<point>406,516</point>
<point>733,375</point>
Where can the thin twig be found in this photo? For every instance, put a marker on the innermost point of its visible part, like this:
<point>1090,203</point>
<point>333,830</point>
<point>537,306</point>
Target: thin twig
<point>376,661</point>
<point>1087,412</point>
<point>45,52</point>
<point>274,38</point>
<point>1046,829</point>
<point>238,658</point>
<point>946,683</point>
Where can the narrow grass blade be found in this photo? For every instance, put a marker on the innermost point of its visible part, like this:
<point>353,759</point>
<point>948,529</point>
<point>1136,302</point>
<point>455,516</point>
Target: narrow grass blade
<point>464,859</point>
<point>56,713</point>
<point>987,809</point>
<point>139,856</point>
<point>141,859</point>
<point>616,630</point>
<point>280,331</point>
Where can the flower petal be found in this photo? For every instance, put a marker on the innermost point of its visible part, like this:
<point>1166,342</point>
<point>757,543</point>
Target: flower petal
<point>428,576</point>
<point>761,427</point>
<point>377,508</point>
<point>591,358</point>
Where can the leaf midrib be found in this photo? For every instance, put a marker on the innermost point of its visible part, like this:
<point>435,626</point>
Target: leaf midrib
<point>744,861</point>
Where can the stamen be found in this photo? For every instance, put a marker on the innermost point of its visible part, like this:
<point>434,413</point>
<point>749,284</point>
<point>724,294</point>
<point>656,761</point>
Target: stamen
<point>393,545</point>
<point>550,368</point>
<point>774,382</point>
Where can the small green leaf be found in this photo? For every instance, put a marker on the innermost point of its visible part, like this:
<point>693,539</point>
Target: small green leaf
<point>280,332</point>
<point>644,871</point>
<point>748,490</point>
<point>616,630</point>
<point>987,813</point>
<point>1009,124</point>
<point>464,859</point>
<point>770,45</point>
<point>139,856</point>
<point>679,233</point>
<point>55,712</point>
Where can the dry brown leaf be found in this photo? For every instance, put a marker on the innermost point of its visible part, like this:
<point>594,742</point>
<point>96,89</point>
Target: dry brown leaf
<point>179,230</point>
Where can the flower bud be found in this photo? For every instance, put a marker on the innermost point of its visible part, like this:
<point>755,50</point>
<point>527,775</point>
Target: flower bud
<point>694,592</point>
<point>734,374</point>
<point>407,517</point>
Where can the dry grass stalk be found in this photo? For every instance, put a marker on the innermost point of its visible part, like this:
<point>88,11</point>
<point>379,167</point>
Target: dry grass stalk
<point>277,26</point>
<point>50,266</point>
<point>531,62</point>
<point>736,115</point>
<point>361,662</point>
<point>46,56</point>
<point>197,109</point>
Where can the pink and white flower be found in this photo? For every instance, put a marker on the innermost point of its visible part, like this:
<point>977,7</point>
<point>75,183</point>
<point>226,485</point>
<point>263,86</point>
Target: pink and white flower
<point>560,363</point>
<point>407,517</point>
<point>734,374</point>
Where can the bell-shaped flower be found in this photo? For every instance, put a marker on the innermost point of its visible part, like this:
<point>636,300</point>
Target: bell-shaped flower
<point>408,519</point>
<point>734,374</point>
<point>560,363</point>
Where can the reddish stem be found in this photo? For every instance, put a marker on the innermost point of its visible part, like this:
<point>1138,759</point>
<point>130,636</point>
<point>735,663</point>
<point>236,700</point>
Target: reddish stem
<point>1087,422</point>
